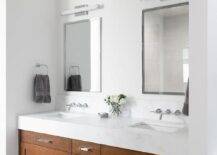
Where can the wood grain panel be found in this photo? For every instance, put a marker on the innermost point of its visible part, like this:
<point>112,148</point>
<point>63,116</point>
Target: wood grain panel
<point>108,150</point>
<point>31,149</point>
<point>49,141</point>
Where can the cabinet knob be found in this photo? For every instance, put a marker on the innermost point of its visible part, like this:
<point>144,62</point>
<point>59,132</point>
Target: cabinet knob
<point>85,149</point>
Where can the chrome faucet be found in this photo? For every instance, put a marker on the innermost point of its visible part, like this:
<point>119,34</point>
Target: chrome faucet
<point>167,112</point>
<point>79,105</point>
<point>68,106</point>
<point>84,105</point>
<point>159,111</point>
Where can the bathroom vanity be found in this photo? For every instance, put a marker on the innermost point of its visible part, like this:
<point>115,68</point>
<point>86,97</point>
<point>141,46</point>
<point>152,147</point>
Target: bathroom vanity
<point>32,143</point>
<point>86,134</point>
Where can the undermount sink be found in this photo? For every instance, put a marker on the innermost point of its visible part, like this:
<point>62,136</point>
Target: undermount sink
<point>67,115</point>
<point>162,126</point>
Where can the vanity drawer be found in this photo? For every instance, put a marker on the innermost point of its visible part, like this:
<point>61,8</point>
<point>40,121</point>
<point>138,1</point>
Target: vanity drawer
<point>49,141</point>
<point>85,148</point>
<point>32,149</point>
<point>108,150</point>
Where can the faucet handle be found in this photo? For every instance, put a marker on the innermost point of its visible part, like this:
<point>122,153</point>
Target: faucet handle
<point>177,112</point>
<point>168,112</point>
<point>73,104</point>
<point>85,105</point>
<point>160,112</point>
<point>157,111</point>
<point>79,105</point>
<point>68,106</point>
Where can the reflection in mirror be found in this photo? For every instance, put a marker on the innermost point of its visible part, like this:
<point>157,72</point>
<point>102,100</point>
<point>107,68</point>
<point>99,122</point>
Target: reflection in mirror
<point>83,55</point>
<point>165,49</point>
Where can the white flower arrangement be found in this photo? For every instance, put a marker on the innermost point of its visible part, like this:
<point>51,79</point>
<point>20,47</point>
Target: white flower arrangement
<point>115,102</point>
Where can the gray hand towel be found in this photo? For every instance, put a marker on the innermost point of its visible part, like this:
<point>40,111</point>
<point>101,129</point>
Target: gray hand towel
<point>185,109</point>
<point>42,89</point>
<point>74,83</point>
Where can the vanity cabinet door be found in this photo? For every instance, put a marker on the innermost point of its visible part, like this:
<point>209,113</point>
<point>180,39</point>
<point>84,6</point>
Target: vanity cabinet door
<point>44,140</point>
<point>85,148</point>
<point>108,150</point>
<point>31,149</point>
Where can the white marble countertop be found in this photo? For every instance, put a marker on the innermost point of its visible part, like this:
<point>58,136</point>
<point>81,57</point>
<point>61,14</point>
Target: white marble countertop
<point>112,131</point>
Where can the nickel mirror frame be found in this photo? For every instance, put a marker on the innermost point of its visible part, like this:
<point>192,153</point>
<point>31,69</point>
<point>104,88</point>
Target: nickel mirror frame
<point>143,49</point>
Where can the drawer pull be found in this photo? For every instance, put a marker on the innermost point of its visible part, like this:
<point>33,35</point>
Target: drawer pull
<point>85,149</point>
<point>41,140</point>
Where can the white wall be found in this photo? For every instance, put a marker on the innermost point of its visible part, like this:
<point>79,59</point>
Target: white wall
<point>121,57</point>
<point>31,38</point>
<point>3,77</point>
<point>198,75</point>
<point>211,77</point>
<point>203,36</point>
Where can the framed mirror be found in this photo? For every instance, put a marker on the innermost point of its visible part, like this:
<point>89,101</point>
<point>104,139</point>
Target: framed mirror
<point>82,49</point>
<point>165,55</point>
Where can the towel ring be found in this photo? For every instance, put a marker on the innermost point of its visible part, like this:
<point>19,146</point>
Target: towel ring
<point>72,67</point>
<point>38,65</point>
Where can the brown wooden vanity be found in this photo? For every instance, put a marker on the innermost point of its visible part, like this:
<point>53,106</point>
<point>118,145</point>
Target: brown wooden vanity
<point>32,143</point>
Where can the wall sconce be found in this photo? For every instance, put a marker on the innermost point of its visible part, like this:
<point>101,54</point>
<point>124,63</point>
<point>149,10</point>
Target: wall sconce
<point>82,9</point>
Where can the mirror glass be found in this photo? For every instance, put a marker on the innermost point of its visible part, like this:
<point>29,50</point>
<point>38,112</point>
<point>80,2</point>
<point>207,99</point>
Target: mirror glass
<point>83,55</point>
<point>165,50</point>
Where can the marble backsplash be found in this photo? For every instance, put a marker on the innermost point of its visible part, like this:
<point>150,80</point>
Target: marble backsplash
<point>139,107</point>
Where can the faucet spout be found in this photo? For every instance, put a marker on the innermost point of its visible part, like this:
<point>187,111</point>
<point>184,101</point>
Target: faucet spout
<point>161,116</point>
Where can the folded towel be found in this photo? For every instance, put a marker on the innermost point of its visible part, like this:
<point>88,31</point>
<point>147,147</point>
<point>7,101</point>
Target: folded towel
<point>74,83</point>
<point>42,89</point>
<point>185,109</point>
